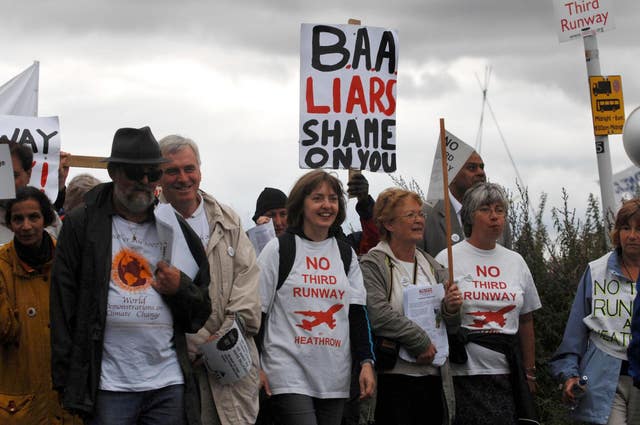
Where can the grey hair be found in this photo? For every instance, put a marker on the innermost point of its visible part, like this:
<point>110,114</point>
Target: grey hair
<point>76,189</point>
<point>477,196</point>
<point>173,143</point>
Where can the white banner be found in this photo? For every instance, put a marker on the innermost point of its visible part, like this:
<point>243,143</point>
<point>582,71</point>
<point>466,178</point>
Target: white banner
<point>19,96</point>
<point>457,154</point>
<point>348,76</point>
<point>42,135</point>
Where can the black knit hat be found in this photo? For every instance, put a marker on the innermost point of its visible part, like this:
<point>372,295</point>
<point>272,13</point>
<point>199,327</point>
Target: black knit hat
<point>269,199</point>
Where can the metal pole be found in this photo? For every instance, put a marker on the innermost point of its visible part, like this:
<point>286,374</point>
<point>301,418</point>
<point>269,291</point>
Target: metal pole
<point>603,152</point>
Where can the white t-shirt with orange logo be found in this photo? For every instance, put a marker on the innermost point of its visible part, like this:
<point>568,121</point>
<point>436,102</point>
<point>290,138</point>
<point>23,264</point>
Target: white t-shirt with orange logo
<point>138,352</point>
<point>497,288</point>
<point>306,340</point>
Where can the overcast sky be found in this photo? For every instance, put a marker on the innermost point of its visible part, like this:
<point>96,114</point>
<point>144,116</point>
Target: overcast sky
<point>226,73</point>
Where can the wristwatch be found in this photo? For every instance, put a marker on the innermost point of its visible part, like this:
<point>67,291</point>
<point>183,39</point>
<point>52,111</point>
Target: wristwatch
<point>370,361</point>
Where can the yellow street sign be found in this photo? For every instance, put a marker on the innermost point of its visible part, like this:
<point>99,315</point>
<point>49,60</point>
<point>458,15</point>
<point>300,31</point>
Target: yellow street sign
<point>607,105</point>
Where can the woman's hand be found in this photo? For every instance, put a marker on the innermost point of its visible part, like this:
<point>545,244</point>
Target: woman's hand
<point>427,356</point>
<point>452,299</point>
<point>567,393</point>
<point>367,381</point>
<point>264,382</point>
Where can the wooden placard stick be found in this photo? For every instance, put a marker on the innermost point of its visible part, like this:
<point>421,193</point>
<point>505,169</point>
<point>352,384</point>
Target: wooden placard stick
<point>447,204</point>
<point>353,171</point>
<point>82,161</point>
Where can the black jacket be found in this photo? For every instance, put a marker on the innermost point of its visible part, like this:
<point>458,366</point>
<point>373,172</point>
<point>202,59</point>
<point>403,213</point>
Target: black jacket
<point>79,291</point>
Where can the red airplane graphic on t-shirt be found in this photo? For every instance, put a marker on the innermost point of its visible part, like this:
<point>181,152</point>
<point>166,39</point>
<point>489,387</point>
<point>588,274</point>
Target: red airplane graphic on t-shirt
<point>491,316</point>
<point>320,317</point>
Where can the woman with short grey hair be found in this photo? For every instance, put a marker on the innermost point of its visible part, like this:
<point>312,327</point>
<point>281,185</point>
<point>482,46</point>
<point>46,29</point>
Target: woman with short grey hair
<point>493,361</point>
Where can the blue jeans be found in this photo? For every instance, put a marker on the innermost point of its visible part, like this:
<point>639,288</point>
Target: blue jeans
<point>164,406</point>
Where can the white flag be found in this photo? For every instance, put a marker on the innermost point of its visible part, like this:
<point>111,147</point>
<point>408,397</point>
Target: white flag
<point>19,95</point>
<point>458,152</point>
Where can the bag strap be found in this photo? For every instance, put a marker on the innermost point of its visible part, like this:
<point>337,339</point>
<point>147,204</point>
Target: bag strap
<point>390,266</point>
<point>346,254</point>
<point>287,251</point>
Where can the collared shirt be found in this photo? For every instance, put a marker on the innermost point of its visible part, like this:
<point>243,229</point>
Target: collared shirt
<point>457,206</point>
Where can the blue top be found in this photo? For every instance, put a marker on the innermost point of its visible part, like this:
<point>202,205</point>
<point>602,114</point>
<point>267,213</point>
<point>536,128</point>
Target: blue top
<point>578,356</point>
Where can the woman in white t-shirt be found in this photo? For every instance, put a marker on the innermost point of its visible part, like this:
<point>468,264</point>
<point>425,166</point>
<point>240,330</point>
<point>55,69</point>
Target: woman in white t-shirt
<point>495,350</point>
<point>316,314</point>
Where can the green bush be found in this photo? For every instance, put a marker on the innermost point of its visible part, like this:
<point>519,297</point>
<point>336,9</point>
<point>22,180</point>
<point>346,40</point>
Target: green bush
<point>557,264</point>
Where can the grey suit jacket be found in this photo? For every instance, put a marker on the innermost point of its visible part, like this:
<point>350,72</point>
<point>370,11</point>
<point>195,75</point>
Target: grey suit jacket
<point>434,239</point>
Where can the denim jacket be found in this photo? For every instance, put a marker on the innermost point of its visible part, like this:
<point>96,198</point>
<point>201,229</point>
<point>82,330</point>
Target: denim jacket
<point>578,355</point>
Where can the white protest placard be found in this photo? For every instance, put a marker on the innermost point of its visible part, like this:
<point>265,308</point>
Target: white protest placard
<point>457,154</point>
<point>348,76</point>
<point>422,305</point>
<point>7,187</point>
<point>42,135</point>
<point>574,17</point>
<point>227,356</point>
<point>174,248</point>
<point>260,235</point>
<point>626,183</point>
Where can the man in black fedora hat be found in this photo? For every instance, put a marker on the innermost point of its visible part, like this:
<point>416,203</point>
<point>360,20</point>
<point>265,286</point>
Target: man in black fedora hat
<point>119,313</point>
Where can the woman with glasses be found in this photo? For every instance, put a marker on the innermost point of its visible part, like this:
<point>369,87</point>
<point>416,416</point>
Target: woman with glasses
<point>598,331</point>
<point>493,354</point>
<point>416,387</point>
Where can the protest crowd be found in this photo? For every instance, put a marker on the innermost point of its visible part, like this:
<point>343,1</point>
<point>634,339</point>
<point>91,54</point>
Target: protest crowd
<point>99,325</point>
<point>143,300</point>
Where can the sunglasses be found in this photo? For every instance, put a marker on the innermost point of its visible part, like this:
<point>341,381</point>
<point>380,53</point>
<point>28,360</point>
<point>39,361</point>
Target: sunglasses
<point>137,172</point>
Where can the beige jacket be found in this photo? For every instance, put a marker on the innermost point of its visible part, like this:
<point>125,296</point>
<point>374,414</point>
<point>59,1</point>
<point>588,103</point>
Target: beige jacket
<point>234,293</point>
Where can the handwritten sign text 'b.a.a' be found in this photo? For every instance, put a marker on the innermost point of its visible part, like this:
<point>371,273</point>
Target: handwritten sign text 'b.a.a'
<point>348,76</point>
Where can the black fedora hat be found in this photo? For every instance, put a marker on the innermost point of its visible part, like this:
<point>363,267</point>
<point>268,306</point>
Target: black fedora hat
<point>135,146</point>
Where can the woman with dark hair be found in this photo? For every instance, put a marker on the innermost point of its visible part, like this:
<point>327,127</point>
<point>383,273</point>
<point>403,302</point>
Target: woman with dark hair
<point>408,390</point>
<point>26,394</point>
<point>599,329</point>
<point>315,317</point>
<point>493,365</point>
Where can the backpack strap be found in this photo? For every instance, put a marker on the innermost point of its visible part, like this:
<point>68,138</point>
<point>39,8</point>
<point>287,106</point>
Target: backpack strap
<point>287,251</point>
<point>346,254</point>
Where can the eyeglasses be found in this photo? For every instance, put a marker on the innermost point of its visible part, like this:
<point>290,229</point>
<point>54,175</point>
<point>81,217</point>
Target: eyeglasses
<point>412,216</point>
<point>137,172</point>
<point>487,210</point>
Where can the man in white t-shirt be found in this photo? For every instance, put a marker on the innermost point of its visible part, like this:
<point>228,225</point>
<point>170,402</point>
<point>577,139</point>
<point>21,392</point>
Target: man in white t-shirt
<point>233,275</point>
<point>119,313</point>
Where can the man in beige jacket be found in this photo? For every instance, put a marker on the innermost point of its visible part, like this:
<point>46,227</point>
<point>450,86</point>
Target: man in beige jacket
<point>234,280</point>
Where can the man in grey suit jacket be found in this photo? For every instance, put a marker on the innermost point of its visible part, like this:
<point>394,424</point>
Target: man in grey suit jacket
<point>435,231</point>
